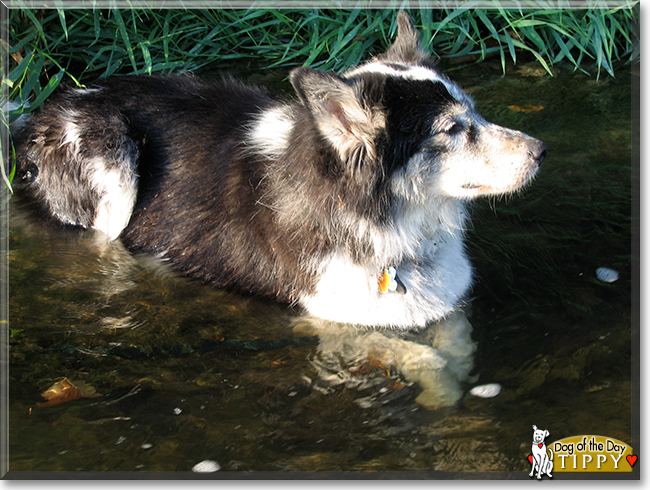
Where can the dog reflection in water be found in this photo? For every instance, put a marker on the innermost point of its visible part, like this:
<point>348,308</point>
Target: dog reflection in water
<point>438,358</point>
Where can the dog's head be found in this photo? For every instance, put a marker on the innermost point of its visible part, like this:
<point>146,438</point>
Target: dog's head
<point>539,435</point>
<point>397,119</point>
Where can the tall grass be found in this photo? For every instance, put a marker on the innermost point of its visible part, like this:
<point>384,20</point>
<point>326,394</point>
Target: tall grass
<point>45,47</point>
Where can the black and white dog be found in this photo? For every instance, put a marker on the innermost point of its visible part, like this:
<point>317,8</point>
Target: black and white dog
<point>349,201</point>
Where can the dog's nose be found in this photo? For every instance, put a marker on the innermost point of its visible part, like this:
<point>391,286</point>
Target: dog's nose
<point>539,153</point>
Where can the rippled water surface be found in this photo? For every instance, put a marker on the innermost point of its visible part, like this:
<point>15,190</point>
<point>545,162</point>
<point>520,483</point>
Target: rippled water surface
<point>183,373</point>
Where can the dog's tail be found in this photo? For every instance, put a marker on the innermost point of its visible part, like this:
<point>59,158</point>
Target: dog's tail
<point>550,454</point>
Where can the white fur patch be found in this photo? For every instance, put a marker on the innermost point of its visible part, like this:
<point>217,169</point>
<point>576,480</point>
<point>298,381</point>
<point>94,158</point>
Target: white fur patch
<point>118,192</point>
<point>71,135</point>
<point>87,90</point>
<point>270,132</point>
<point>435,284</point>
<point>411,73</point>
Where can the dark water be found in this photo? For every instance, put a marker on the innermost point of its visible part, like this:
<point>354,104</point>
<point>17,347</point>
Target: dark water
<point>187,373</point>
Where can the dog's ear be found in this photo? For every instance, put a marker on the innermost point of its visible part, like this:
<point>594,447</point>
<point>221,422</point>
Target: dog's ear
<point>546,433</point>
<point>339,113</point>
<point>534,427</point>
<point>407,47</point>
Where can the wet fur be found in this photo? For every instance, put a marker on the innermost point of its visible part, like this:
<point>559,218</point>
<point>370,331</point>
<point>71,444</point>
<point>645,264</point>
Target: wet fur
<point>305,201</point>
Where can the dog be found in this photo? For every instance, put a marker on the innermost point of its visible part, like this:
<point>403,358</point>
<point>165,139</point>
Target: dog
<point>321,202</point>
<point>542,460</point>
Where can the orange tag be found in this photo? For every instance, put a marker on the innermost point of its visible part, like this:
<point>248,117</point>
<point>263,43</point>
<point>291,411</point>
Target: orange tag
<point>384,281</point>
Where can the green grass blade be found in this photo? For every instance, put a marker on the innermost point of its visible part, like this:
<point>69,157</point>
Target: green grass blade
<point>125,37</point>
<point>64,25</point>
<point>48,89</point>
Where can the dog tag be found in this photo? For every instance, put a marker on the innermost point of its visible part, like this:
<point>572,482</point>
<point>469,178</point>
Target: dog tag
<point>388,282</point>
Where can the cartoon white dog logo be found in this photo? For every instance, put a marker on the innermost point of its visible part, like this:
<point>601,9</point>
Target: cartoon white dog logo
<point>541,460</point>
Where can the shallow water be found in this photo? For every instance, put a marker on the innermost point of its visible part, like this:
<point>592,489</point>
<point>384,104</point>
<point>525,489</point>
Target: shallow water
<point>187,373</point>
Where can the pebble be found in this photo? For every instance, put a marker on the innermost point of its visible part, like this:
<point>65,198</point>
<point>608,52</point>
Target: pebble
<point>206,466</point>
<point>606,275</point>
<point>486,391</point>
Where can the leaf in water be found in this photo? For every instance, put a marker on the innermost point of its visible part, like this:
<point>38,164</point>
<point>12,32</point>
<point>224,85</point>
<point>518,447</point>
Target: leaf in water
<point>67,391</point>
<point>526,108</point>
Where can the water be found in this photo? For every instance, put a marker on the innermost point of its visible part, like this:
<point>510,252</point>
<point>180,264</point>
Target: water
<point>189,374</point>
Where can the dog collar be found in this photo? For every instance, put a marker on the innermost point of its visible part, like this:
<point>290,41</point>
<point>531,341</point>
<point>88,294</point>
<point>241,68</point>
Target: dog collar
<point>388,282</point>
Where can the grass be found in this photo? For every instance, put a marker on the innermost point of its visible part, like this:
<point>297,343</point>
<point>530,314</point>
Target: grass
<point>46,48</point>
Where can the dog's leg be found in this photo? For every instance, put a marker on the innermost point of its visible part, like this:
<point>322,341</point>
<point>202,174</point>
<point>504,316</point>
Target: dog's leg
<point>416,362</point>
<point>536,464</point>
<point>542,465</point>
<point>118,187</point>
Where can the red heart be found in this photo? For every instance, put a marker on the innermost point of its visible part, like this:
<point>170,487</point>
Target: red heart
<point>530,458</point>
<point>540,445</point>
<point>631,458</point>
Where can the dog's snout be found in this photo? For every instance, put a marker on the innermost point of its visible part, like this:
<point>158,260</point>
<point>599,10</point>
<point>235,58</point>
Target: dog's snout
<point>538,153</point>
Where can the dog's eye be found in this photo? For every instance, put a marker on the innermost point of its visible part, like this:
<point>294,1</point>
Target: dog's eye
<point>455,128</point>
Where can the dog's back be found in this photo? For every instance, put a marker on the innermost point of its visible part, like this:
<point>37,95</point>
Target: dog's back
<point>168,156</point>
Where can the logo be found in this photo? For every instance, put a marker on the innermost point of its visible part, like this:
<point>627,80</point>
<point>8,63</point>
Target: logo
<point>588,454</point>
<point>541,459</point>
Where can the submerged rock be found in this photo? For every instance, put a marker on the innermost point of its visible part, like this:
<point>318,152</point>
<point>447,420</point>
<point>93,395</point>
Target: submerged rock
<point>606,275</point>
<point>206,466</point>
